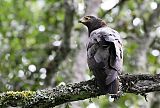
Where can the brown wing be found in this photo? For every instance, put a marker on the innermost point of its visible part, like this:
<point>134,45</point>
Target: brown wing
<point>104,53</point>
<point>108,37</point>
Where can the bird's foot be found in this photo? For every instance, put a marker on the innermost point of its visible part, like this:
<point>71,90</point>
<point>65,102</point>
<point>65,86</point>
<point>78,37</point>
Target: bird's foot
<point>117,96</point>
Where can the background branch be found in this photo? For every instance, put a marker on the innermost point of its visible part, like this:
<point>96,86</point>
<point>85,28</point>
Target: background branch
<point>120,3</point>
<point>64,49</point>
<point>137,84</point>
<point>146,40</point>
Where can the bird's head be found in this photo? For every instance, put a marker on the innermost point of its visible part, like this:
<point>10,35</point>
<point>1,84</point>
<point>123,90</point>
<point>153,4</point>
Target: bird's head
<point>88,20</point>
<point>92,22</point>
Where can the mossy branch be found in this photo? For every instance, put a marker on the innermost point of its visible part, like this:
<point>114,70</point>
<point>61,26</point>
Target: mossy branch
<point>138,84</point>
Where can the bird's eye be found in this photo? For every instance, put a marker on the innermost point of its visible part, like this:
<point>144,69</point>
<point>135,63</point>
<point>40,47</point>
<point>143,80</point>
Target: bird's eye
<point>87,18</point>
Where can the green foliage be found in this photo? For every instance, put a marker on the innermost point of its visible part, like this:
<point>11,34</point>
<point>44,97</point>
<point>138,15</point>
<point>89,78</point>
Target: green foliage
<point>29,28</point>
<point>26,29</point>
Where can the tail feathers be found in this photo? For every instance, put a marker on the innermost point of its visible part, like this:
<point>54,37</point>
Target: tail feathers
<point>112,88</point>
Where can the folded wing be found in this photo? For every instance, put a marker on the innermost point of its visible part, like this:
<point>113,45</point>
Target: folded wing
<point>105,55</point>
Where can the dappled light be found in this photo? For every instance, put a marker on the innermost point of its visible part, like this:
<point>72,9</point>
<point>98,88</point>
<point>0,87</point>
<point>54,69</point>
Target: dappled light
<point>43,46</point>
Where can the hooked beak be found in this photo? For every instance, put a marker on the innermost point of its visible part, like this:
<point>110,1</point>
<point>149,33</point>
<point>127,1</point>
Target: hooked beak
<point>82,20</point>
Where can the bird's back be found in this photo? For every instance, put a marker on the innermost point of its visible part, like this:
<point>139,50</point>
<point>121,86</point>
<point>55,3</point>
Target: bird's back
<point>104,56</point>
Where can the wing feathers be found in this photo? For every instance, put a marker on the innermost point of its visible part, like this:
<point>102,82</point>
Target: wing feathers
<point>105,56</point>
<point>108,37</point>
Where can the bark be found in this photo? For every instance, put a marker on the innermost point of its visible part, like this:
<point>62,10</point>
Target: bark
<point>141,53</point>
<point>137,84</point>
<point>146,41</point>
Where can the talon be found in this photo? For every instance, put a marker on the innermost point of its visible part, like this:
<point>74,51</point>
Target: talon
<point>145,96</point>
<point>117,96</point>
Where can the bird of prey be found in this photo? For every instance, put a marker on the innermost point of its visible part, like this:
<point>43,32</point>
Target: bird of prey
<point>104,53</point>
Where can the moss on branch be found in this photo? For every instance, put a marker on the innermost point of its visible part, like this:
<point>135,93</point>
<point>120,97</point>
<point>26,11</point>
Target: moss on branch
<point>138,84</point>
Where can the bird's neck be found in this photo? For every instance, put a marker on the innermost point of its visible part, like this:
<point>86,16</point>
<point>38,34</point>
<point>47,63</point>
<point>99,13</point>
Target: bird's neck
<point>96,26</point>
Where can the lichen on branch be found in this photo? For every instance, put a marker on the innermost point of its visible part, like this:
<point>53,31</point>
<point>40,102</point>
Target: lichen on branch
<point>137,84</point>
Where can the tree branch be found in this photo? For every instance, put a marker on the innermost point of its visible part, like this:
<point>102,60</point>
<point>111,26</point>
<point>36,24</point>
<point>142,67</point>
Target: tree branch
<point>64,49</point>
<point>118,4</point>
<point>137,84</point>
<point>146,40</point>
